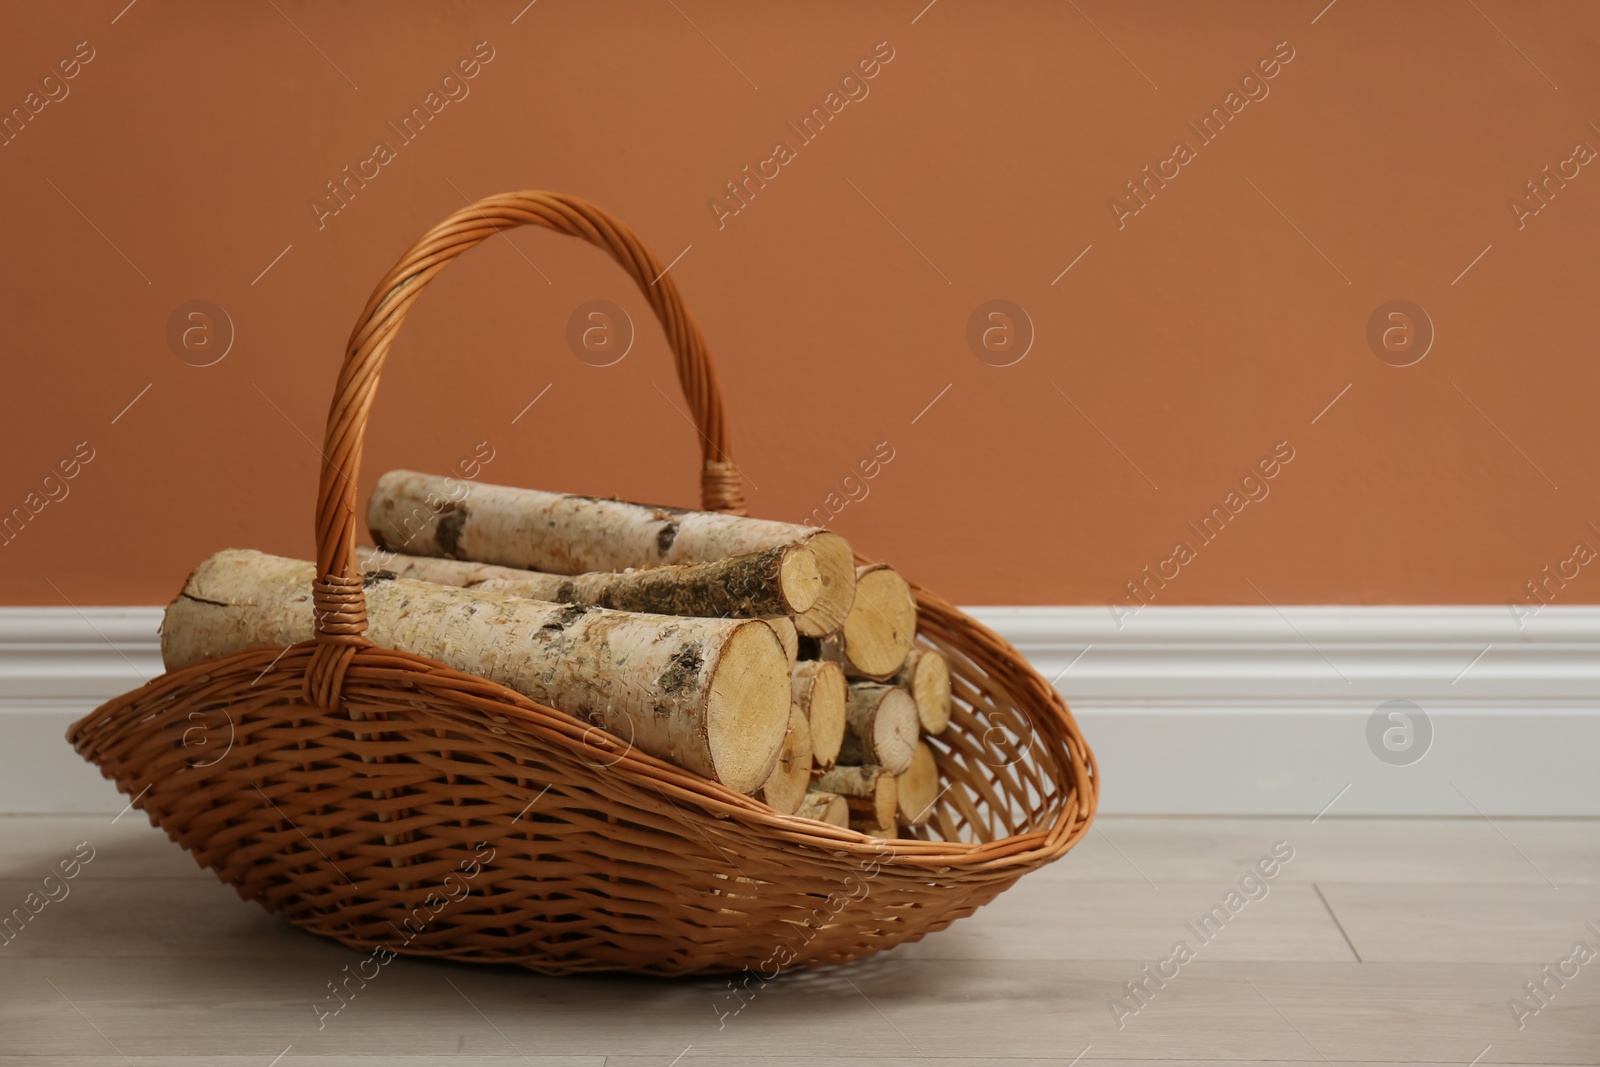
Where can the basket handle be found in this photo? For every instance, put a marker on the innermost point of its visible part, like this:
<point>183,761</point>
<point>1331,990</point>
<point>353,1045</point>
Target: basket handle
<point>341,617</point>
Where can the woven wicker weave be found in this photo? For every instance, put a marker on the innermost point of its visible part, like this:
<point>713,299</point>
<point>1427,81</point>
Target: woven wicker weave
<point>383,799</point>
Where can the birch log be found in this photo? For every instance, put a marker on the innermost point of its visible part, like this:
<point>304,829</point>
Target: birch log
<point>818,689</point>
<point>783,626</point>
<point>825,807</point>
<point>776,582</point>
<point>881,625</point>
<point>785,787</point>
<point>710,695</point>
<point>918,788</point>
<point>927,675</point>
<point>427,515</point>
<point>881,726</point>
<point>869,791</point>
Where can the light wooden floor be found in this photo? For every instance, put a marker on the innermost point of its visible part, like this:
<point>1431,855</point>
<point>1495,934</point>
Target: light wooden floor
<point>1381,942</point>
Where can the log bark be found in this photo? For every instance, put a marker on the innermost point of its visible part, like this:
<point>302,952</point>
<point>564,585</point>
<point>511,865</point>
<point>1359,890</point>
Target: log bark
<point>818,689</point>
<point>882,725</point>
<point>918,788</point>
<point>881,626</point>
<point>825,807</point>
<point>427,515</point>
<point>785,788</point>
<point>869,791</point>
<point>710,695</point>
<point>773,582</point>
<point>927,675</point>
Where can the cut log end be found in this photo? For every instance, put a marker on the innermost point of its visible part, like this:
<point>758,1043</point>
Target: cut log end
<point>881,626</point>
<point>869,791</point>
<point>799,579</point>
<point>836,585</point>
<point>786,786</point>
<point>783,626</point>
<point>746,711</point>
<point>927,675</point>
<point>819,688</point>
<point>825,807</point>
<point>883,726</point>
<point>918,788</point>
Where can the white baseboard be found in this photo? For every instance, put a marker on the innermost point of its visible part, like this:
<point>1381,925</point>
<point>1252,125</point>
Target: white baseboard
<point>56,665</point>
<point>1243,711</point>
<point>1264,711</point>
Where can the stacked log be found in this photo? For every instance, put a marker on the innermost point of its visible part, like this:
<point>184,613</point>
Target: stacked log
<point>711,695</point>
<point>564,534</point>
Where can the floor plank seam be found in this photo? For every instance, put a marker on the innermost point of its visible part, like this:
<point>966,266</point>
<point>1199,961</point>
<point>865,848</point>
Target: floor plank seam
<point>1336,922</point>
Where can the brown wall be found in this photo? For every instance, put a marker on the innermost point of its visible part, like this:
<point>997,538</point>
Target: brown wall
<point>1214,324</point>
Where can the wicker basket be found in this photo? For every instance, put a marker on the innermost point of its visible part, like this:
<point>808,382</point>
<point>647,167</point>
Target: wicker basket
<point>387,801</point>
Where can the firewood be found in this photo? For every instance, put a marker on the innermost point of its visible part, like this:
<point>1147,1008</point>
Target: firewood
<point>557,533</point>
<point>788,637</point>
<point>776,582</point>
<point>881,725</point>
<point>825,807</point>
<point>869,791</point>
<point>818,689</point>
<point>710,695</point>
<point>785,788</point>
<point>918,788</point>
<point>927,675</point>
<point>881,625</point>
